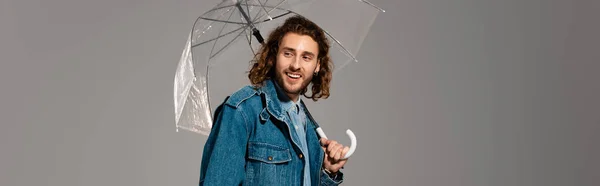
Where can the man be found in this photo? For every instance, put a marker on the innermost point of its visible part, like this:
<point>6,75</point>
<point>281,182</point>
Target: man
<point>263,134</point>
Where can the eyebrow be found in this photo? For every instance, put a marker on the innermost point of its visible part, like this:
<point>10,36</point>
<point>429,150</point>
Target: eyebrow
<point>293,50</point>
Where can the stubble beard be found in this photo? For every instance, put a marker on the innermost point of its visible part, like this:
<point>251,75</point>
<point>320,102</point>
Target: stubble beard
<point>289,90</point>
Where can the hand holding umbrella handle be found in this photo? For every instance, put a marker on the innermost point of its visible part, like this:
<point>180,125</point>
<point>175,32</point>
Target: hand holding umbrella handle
<point>350,135</point>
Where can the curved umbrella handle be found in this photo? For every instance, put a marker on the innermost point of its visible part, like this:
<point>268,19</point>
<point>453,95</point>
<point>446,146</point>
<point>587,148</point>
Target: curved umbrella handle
<point>350,135</point>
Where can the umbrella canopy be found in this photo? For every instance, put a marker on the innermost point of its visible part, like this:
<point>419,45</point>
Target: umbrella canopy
<point>224,40</point>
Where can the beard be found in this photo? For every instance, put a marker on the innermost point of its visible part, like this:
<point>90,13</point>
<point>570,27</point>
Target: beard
<point>290,86</point>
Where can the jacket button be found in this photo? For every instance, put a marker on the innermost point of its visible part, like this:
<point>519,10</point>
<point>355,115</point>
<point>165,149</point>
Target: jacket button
<point>300,155</point>
<point>270,158</point>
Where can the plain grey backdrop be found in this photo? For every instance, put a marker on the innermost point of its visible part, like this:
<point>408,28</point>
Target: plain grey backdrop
<point>449,92</point>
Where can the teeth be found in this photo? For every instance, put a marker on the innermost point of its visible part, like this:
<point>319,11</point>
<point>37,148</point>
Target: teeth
<point>293,75</point>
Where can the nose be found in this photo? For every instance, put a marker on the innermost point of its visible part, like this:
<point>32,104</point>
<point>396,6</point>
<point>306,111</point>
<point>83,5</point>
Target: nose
<point>295,65</point>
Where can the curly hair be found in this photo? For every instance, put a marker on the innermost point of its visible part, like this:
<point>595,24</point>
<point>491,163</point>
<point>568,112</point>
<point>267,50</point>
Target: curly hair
<point>264,61</point>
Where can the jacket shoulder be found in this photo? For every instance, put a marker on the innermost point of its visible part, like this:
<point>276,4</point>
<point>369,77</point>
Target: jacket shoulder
<point>242,95</point>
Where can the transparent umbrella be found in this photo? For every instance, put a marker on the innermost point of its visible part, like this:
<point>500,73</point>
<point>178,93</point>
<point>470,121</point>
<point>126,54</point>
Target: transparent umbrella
<point>224,39</point>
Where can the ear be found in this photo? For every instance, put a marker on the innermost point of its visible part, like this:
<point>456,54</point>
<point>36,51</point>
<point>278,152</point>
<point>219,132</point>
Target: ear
<point>318,66</point>
<point>271,61</point>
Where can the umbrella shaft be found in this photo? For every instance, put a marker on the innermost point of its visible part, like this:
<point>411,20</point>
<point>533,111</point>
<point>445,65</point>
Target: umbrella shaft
<point>246,17</point>
<point>255,31</point>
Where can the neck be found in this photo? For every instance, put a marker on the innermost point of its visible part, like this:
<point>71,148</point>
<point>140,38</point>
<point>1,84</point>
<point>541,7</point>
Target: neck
<point>283,95</point>
<point>293,97</point>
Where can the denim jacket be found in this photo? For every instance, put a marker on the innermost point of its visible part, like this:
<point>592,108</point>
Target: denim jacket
<point>251,143</point>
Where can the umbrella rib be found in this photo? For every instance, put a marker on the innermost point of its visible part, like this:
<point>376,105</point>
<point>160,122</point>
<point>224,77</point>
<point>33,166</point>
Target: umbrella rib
<point>289,12</point>
<point>222,21</point>
<point>220,31</point>
<point>277,6</point>
<point>208,25</point>
<point>262,5</point>
<point>271,18</point>
<point>229,43</point>
<point>339,43</point>
<point>230,8</point>
<point>211,50</point>
<point>249,38</point>
<point>246,4</point>
<point>272,8</point>
<point>257,12</point>
<point>217,7</point>
<point>373,5</point>
<point>248,11</point>
<point>218,37</point>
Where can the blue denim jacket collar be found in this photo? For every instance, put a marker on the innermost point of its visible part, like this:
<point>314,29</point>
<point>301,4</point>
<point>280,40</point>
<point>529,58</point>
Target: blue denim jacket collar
<point>274,106</point>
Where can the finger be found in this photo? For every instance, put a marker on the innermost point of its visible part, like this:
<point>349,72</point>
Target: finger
<point>324,142</point>
<point>338,154</point>
<point>335,152</point>
<point>331,145</point>
<point>332,153</point>
<point>345,151</point>
<point>330,149</point>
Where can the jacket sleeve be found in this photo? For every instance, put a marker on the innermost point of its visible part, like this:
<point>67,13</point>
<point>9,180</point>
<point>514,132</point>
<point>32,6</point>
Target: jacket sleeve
<point>326,180</point>
<point>223,158</point>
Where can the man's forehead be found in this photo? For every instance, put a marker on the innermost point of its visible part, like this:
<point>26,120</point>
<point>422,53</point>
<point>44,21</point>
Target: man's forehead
<point>299,43</point>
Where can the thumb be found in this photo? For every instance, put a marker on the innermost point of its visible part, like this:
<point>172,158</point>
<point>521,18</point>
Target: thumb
<point>324,142</point>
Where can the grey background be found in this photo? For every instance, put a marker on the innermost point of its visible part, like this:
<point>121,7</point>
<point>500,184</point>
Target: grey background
<point>451,92</point>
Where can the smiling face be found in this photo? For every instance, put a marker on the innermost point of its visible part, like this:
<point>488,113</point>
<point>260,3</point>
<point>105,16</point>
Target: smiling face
<point>290,56</point>
<point>296,63</point>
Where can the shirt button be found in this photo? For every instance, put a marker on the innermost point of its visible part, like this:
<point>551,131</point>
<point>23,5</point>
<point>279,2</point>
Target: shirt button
<point>300,155</point>
<point>270,158</point>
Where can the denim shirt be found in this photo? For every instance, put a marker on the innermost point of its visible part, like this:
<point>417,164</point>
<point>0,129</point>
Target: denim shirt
<point>252,143</point>
<point>296,115</point>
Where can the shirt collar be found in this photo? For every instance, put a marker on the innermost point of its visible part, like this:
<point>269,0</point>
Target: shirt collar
<point>286,103</point>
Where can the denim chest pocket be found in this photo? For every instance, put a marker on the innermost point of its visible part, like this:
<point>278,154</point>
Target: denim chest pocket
<point>268,164</point>
<point>268,153</point>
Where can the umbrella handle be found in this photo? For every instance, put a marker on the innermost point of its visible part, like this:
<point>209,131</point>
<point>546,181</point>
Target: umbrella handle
<point>350,135</point>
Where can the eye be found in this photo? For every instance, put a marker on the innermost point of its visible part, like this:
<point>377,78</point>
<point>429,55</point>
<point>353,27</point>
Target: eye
<point>287,54</point>
<point>307,58</point>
